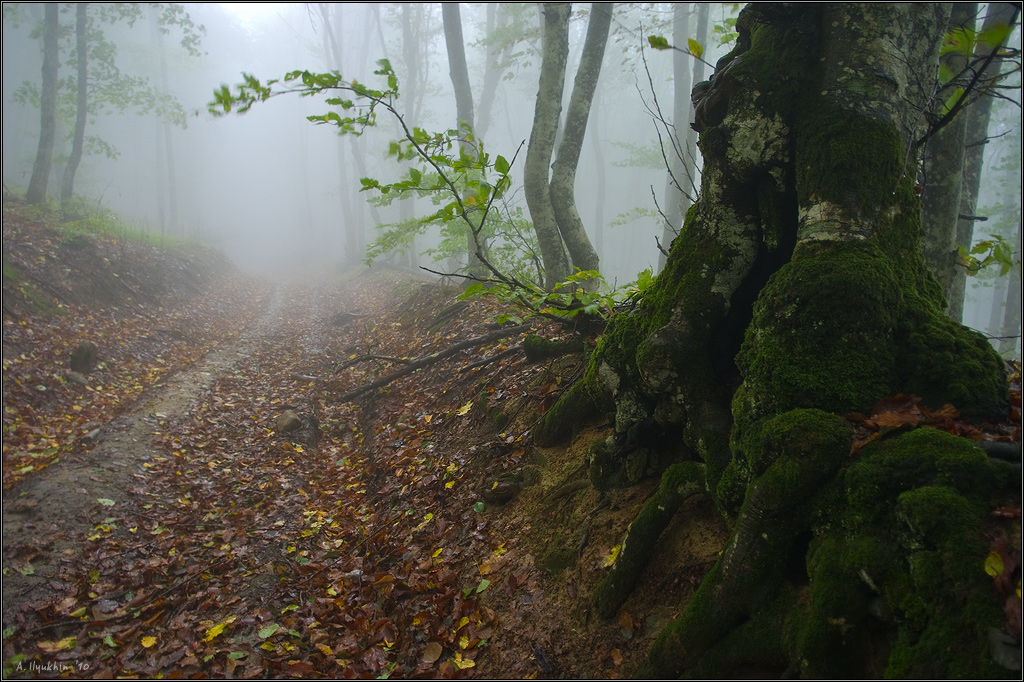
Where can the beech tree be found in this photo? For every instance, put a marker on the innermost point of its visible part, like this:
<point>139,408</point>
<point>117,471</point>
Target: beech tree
<point>459,73</point>
<point>970,75</point>
<point>36,192</point>
<point>99,85</point>
<point>551,197</point>
<point>795,294</point>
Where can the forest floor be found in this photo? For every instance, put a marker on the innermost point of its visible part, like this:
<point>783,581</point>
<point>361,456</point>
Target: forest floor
<point>158,522</point>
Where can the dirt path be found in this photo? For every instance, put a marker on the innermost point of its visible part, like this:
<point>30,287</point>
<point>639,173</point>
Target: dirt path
<point>46,516</point>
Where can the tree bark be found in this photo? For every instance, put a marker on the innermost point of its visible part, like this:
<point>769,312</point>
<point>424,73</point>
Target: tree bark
<point>476,245</point>
<point>78,143</point>
<point>542,142</point>
<point>943,170</point>
<point>1009,344</point>
<point>48,108</point>
<point>797,293</point>
<point>563,175</point>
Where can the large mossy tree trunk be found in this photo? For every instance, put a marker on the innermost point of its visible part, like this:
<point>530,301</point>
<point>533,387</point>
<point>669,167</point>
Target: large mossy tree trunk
<point>795,293</point>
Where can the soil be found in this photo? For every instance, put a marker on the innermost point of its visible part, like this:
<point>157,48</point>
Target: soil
<point>134,532</point>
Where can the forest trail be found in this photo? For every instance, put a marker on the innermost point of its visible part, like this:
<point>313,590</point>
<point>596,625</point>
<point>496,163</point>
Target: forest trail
<point>187,536</point>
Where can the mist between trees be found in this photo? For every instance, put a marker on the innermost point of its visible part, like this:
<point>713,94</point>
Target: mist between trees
<point>275,191</point>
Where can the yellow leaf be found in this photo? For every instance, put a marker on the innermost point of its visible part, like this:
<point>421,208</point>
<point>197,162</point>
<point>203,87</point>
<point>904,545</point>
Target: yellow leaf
<point>465,408</point>
<point>609,559</point>
<point>62,645</point>
<point>463,663</point>
<point>324,649</point>
<point>428,417</point>
<point>463,622</point>
<point>148,641</point>
<point>449,484</point>
<point>994,565</point>
<point>213,632</point>
<point>436,553</point>
<point>463,642</point>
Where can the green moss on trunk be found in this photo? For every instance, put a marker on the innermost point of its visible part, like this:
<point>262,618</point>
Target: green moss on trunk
<point>679,482</point>
<point>566,417</point>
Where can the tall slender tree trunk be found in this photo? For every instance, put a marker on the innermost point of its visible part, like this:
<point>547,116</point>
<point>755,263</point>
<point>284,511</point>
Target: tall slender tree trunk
<point>48,107</point>
<point>1010,341</point>
<point>542,142</point>
<point>563,171</point>
<point>496,16</point>
<point>167,140</point>
<point>600,190</point>
<point>978,116</point>
<point>78,144</point>
<point>943,172</point>
<point>333,53</point>
<point>476,245</point>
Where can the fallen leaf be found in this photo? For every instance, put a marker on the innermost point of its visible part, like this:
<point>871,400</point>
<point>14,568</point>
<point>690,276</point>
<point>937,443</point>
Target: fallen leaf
<point>432,652</point>
<point>213,632</point>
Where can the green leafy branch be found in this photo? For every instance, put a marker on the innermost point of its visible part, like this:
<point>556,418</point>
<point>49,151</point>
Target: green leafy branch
<point>460,177</point>
<point>693,48</point>
<point>988,253</point>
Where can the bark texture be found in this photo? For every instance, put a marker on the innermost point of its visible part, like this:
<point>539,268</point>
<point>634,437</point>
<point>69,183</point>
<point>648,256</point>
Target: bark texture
<point>542,142</point>
<point>795,294</point>
<point>475,244</point>
<point>36,192</point>
<point>563,171</point>
<point>943,172</point>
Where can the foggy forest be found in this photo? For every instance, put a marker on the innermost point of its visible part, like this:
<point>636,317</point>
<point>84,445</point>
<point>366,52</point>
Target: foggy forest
<point>493,340</point>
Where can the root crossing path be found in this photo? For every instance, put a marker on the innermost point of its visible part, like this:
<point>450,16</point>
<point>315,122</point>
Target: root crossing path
<point>189,536</point>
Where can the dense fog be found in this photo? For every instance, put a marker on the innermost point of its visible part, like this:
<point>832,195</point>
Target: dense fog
<point>278,192</point>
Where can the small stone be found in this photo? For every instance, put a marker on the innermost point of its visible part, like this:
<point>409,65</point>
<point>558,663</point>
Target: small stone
<point>83,358</point>
<point>77,378</point>
<point>288,421</point>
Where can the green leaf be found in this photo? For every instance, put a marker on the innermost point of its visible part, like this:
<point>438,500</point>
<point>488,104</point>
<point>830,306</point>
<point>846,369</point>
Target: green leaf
<point>501,165</point>
<point>996,35</point>
<point>269,630</point>
<point>478,507</point>
<point>235,655</point>
<point>484,584</point>
<point>105,502</point>
<point>658,43</point>
<point>696,49</point>
<point>952,101</point>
